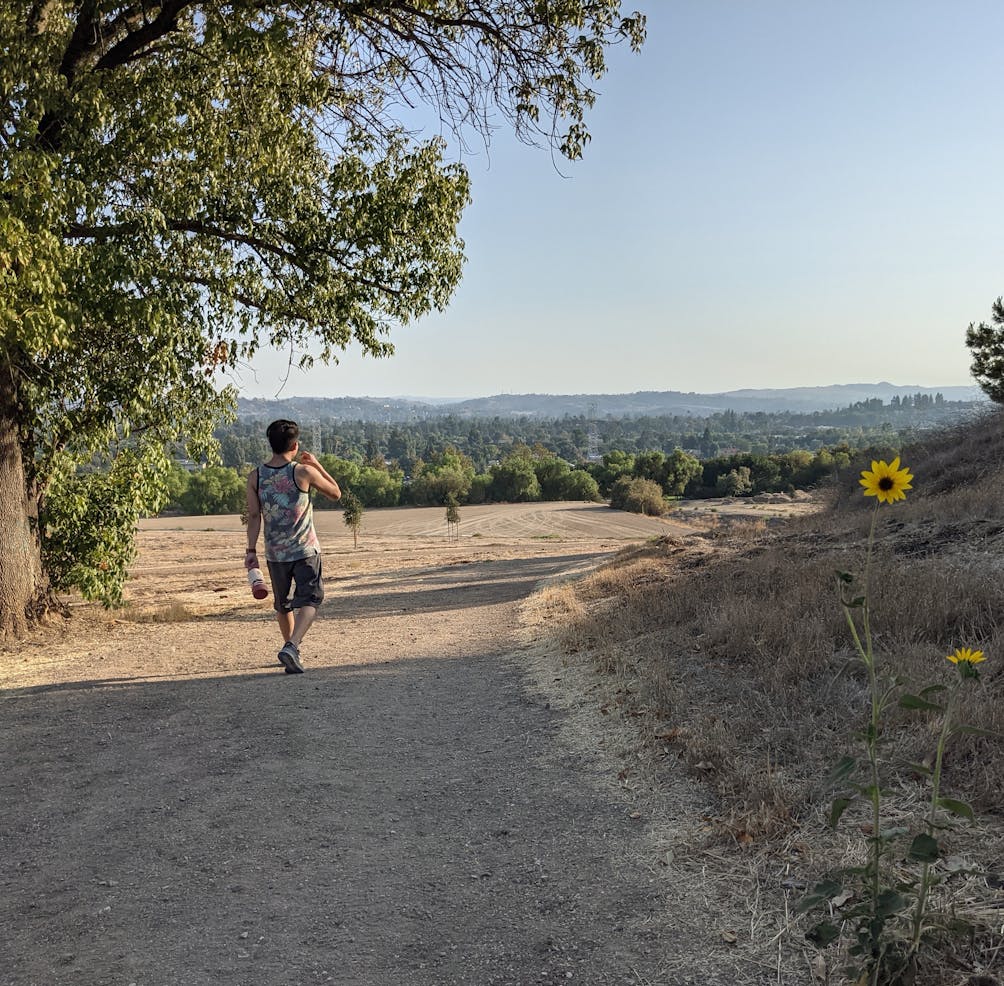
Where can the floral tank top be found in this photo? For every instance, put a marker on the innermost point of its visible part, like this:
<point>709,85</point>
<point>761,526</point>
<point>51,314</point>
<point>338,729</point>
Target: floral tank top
<point>287,514</point>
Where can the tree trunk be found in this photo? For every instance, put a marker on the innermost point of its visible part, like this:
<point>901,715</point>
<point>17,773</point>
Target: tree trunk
<point>24,589</point>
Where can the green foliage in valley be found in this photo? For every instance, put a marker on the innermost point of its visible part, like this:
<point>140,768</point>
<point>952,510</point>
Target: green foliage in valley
<point>479,460</point>
<point>486,440</point>
<point>639,496</point>
<point>642,482</point>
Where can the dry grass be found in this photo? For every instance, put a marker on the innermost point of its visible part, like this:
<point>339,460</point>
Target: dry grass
<point>174,611</point>
<point>733,653</point>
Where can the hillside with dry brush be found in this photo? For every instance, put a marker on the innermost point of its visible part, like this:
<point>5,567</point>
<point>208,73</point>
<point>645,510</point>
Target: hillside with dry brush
<point>731,653</point>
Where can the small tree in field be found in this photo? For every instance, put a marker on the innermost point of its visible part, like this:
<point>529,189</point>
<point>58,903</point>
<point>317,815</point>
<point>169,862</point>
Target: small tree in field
<point>352,514</point>
<point>452,517</point>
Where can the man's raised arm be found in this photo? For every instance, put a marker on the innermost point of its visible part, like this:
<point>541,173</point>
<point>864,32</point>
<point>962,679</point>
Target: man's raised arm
<point>318,478</point>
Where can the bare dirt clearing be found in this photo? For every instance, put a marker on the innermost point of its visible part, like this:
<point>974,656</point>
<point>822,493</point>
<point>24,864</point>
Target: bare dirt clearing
<point>411,810</point>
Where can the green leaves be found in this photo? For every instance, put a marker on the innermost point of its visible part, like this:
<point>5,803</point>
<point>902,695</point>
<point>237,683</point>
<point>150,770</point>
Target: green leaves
<point>959,808</point>
<point>823,934</point>
<point>352,514</point>
<point>889,903</point>
<point>90,520</point>
<point>974,731</point>
<point>844,581</point>
<point>924,849</point>
<point>986,342</point>
<point>841,771</point>
<point>837,809</point>
<point>915,702</point>
<point>822,893</point>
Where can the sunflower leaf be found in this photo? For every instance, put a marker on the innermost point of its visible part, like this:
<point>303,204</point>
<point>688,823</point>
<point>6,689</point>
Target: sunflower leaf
<point>916,702</point>
<point>821,893</point>
<point>959,808</point>
<point>823,933</point>
<point>841,770</point>
<point>889,903</point>
<point>975,731</point>
<point>924,848</point>
<point>838,807</point>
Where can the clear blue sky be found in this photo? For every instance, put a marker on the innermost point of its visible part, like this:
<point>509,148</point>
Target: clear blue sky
<point>778,193</point>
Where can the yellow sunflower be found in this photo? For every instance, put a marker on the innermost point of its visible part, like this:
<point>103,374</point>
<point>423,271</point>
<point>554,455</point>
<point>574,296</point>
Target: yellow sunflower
<point>963,655</point>
<point>886,481</point>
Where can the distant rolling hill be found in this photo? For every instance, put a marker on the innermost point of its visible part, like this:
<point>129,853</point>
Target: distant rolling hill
<point>639,404</point>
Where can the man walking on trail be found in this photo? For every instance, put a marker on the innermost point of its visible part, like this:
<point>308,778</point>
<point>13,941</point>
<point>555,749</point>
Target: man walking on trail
<point>279,492</point>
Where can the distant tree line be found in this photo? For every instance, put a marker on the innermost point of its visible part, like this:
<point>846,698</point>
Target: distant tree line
<point>486,460</point>
<point>524,474</point>
<point>486,441</point>
<point>644,481</point>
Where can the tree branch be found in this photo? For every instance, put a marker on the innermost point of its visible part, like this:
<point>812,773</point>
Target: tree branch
<point>102,234</point>
<point>128,33</point>
<point>132,44</point>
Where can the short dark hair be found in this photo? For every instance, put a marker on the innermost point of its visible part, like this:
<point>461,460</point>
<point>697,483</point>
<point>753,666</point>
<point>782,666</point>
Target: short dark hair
<point>282,435</point>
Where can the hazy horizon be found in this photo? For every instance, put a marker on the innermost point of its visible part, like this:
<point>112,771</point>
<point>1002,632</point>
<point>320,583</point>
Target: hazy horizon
<point>776,195</point>
<point>453,398</point>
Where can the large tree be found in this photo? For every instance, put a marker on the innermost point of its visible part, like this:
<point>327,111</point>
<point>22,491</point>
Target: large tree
<point>186,182</point>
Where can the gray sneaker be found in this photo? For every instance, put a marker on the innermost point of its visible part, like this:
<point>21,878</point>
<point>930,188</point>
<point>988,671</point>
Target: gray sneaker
<point>289,658</point>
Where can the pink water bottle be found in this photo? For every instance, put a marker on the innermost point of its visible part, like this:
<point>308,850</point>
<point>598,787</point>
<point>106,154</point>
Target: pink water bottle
<point>257,582</point>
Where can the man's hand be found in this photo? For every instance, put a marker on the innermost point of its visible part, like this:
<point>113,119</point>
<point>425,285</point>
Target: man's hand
<point>306,459</point>
<point>251,559</point>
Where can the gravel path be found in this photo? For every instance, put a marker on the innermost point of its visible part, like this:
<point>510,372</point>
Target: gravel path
<point>406,812</point>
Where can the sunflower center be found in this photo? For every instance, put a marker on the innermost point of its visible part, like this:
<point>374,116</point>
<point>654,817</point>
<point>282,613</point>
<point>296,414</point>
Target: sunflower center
<point>886,483</point>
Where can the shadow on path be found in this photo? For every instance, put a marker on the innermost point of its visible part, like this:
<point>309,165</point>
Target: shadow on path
<point>408,823</point>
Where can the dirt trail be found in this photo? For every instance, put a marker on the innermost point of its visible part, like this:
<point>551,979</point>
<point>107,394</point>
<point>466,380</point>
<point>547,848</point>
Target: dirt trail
<point>178,811</point>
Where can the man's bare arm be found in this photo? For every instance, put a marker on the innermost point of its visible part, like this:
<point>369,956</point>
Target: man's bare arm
<point>254,521</point>
<point>318,478</point>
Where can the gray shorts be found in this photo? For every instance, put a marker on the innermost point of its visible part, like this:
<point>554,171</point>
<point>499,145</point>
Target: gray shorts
<point>305,575</point>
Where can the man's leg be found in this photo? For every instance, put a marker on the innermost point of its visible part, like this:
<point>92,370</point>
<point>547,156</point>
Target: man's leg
<point>285,624</point>
<point>281,574</point>
<point>301,624</point>
<point>307,597</point>
<point>289,653</point>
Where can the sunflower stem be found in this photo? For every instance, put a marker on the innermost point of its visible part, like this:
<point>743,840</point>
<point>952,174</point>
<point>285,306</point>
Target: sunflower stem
<point>925,872</point>
<point>865,650</point>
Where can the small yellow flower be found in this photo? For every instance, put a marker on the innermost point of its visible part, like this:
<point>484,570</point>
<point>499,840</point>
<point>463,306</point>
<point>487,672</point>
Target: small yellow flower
<point>963,655</point>
<point>886,481</point>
